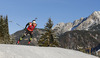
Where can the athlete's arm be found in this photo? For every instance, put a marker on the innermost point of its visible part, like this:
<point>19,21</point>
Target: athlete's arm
<point>26,25</point>
<point>35,24</point>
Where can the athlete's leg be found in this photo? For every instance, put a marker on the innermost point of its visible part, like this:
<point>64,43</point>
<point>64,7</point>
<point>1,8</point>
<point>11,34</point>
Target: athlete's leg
<point>31,35</point>
<point>22,36</point>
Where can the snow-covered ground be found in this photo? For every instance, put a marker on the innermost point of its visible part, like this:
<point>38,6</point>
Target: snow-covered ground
<point>19,51</point>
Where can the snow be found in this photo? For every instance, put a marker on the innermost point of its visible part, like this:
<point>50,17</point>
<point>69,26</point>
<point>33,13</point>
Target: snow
<point>20,51</point>
<point>79,23</point>
<point>97,13</point>
<point>92,22</point>
<point>59,25</point>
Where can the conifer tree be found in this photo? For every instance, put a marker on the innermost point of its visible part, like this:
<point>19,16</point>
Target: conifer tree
<point>4,32</point>
<point>48,38</point>
<point>1,29</point>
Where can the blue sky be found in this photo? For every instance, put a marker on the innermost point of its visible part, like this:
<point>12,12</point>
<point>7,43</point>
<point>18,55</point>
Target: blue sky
<point>24,11</point>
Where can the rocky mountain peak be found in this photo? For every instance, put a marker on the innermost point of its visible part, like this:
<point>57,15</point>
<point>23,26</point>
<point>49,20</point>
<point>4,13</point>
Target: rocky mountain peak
<point>81,19</point>
<point>85,23</point>
<point>80,24</point>
<point>76,22</point>
<point>96,13</point>
<point>62,27</point>
<point>59,26</point>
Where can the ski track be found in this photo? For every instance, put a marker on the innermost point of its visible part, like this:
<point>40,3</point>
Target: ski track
<point>20,51</point>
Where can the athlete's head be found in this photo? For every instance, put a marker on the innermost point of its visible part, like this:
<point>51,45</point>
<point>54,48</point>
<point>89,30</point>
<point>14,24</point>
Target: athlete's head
<point>33,21</point>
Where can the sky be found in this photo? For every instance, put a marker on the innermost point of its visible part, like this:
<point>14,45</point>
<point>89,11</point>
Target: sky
<point>24,11</point>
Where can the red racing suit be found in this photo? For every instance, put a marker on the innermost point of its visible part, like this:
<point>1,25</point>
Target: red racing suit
<point>30,27</point>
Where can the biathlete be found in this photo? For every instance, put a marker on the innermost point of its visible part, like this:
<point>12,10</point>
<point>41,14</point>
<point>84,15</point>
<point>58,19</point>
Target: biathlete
<point>28,30</point>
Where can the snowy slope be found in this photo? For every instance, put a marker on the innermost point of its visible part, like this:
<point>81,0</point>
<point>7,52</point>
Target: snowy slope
<point>18,51</point>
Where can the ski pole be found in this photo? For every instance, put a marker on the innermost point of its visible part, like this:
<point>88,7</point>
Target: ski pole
<point>17,24</point>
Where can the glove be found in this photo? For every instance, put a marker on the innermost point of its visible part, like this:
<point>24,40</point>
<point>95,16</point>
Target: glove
<point>25,29</point>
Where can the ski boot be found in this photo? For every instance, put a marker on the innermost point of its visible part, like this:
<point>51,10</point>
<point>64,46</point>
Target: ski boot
<point>19,40</point>
<point>29,40</point>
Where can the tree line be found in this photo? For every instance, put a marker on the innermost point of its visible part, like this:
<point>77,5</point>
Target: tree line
<point>47,39</point>
<point>4,31</point>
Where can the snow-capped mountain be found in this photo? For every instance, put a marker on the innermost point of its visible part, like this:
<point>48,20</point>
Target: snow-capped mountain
<point>94,18</point>
<point>61,28</point>
<point>81,24</point>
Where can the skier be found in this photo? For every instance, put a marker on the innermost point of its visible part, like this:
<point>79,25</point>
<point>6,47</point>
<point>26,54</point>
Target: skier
<point>28,30</point>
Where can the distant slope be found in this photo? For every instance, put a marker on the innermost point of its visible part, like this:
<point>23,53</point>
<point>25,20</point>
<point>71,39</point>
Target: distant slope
<point>18,51</point>
<point>95,27</point>
<point>75,39</point>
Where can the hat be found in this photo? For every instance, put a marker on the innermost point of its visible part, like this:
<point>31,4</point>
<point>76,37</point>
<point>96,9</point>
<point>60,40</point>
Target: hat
<point>33,21</point>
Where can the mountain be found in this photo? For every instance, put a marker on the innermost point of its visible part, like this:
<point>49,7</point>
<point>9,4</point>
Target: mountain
<point>19,51</point>
<point>84,32</point>
<point>94,18</point>
<point>62,28</point>
<point>95,27</point>
<point>81,24</point>
<point>59,28</point>
<point>79,38</point>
